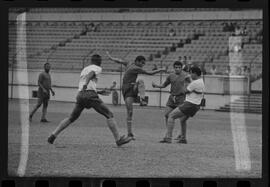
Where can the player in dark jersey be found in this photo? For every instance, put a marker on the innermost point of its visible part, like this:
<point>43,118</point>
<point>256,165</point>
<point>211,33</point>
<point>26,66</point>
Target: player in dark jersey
<point>129,81</point>
<point>44,88</point>
<point>178,81</point>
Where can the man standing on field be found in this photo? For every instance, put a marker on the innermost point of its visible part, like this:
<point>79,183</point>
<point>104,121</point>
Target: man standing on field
<point>44,88</point>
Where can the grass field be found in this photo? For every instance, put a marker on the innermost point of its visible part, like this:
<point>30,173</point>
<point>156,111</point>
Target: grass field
<point>87,148</point>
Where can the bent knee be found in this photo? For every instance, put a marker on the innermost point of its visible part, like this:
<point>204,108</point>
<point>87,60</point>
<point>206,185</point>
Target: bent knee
<point>172,116</point>
<point>109,115</point>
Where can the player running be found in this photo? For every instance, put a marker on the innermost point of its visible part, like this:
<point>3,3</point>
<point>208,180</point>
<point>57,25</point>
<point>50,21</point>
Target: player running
<point>178,81</point>
<point>129,90</point>
<point>44,88</point>
<point>87,97</point>
<point>194,95</point>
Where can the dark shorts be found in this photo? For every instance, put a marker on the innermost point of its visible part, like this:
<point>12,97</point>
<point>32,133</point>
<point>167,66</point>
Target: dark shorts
<point>189,109</point>
<point>129,90</point>
<point>43,98</point>
<point>175,101</point>
<point>89,99</point>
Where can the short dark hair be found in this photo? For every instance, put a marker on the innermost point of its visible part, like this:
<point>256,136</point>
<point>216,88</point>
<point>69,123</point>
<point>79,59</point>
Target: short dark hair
<point>140,58</point>
<point>46,64</point>
<point>96,59</point>
<point>196,70</point>
<point>177,63</point>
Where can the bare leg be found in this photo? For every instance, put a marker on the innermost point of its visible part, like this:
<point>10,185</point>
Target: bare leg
<point>67,121</point>
<point>183,122</point>
<point>35,109</point>
<point>44,112</point>
<point>176,113</point>
<point>167,112</point>
<point>105,111</point>
<point>62,125</point>
<point>141,88</point>
<point>113,127</point>
<point>129,107</point>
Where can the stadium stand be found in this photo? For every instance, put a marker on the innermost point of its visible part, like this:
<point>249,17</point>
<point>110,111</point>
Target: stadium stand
<point>67,44</point>
<point>85,10</point>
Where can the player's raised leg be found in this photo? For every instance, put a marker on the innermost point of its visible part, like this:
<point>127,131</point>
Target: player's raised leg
<point>141,92</point>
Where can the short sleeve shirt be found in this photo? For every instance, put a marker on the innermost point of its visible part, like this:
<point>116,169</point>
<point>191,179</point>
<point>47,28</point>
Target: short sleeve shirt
<point>197,85</point>
<point>177,82</point>
<point>131,73</point>
<point>83,77</point>
<point>45,80</point>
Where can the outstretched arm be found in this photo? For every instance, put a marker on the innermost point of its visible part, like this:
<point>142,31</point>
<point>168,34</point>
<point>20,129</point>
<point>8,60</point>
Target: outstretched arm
<point>164,85</point>
<point>117,60</point>
<point>154,72</point>
<point>105,92</point>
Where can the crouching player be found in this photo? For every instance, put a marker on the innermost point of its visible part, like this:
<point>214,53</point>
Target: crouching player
<point>87,97</point>
<point>189,108</point>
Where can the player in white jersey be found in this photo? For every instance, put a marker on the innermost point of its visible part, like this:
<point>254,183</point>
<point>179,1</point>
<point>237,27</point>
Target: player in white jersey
<point>190,107</point>
<point>87,97</point>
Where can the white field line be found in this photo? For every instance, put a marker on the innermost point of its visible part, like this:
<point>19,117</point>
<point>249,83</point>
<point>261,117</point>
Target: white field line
<point>240,143</point>
<point>23,92</point>
<point>238,122</point>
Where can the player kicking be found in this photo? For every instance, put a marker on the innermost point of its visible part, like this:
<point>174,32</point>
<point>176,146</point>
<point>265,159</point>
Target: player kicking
<point>129,83</point>
<point>190,106</point>
<point>178,80</point>
<point>87,97</point>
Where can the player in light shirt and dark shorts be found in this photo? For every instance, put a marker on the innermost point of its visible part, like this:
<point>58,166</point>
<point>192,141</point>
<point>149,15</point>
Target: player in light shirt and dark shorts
<point>87,97</point>
<point>190,107</point>
<point>178,81</point>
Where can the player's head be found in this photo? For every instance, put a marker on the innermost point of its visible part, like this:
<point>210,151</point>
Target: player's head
<point>47,67</point>
<point>96,59</point>
<point>177,66</point>
<point>195,72</point>
<point>140,61</point>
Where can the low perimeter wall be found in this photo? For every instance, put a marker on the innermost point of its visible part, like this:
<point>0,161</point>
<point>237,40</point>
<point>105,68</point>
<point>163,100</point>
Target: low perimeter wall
<point>219,89</point>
